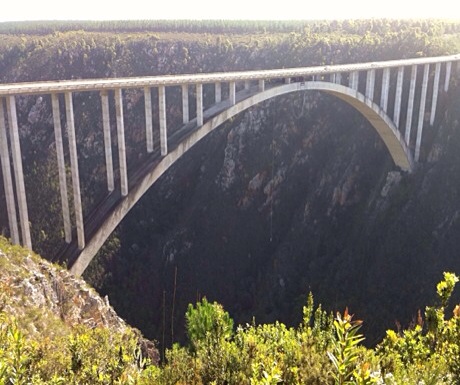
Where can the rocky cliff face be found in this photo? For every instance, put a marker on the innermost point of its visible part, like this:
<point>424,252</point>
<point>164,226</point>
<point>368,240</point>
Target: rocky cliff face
<point>42,296</point>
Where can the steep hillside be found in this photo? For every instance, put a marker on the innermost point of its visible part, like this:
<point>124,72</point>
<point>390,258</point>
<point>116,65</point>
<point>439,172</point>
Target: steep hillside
<point>54,328</point>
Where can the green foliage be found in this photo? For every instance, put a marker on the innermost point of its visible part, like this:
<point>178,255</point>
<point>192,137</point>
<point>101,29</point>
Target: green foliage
<point>208,322</point>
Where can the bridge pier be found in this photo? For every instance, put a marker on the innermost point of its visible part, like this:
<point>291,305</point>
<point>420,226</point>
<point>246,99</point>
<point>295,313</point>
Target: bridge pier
<point>218,92</point>
<point>232,93</point>
<point>74,169</point>
<point>421,112</point>
<point>370,84</point>
<point>410,104</point>
<point>447,79</point>
<point>354,80</point>
<point>261,85</point>
<point>199,105</point>
<point>108,140</point>
<point>121,142</point>
<point>185,108</point>
<point>434,99</point>
<point>385,89</point>
<point>398,96</point>
<point>61,168</point>
<point>7,179</point>
<point>18,171</point>
<point>163,130</point>
<point>148,119</point>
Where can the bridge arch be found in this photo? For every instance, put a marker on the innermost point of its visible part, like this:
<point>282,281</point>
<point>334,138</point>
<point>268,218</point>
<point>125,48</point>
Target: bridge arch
<point>371,111</point>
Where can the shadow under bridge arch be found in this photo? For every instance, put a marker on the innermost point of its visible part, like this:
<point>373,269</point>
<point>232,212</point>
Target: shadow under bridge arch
<point>371,111</point>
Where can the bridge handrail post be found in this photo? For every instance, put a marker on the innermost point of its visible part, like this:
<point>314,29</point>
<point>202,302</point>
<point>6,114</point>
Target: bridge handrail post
<point>7,179</point>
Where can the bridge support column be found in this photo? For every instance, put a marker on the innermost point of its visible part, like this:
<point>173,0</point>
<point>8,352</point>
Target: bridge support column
<point>18,172</point>
<point>410,103</point>
<point>232,93</point>
<point>399,88</point>
<point>7,179</point>
<point>61,168</point>
<point>74,169</point>
<point>218,92</point>
<point>108,140</point>
<point>338,78</point>
<point>385,89</point>
<point>421,112</point>
<point>199,105</point>
<point>353,80</point>
<point>121,142</point>
<point>247,85</point>
<point>185,108</point>
<point>163,129</point>
<point>447,79</point>
<point>434,99</point>
<point>370,84</point>
<point>148,119</point>
<point>261,85</point>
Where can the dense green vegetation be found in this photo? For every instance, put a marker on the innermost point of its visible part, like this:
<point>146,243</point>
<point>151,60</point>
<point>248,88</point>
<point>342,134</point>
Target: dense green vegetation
<point>323,349</point>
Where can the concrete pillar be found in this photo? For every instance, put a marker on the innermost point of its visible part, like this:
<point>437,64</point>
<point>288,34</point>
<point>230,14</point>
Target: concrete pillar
<point>107,140</point>
<point>287,80</point>
<point>121,142</point>
<point>385,89</point>
<point>148,119</point>
<point>447,80</point>
<point>199,105</point>
<point>370,84</point>
<point>410,103</point>
<point>399,88</point>
<point>421,112</point>
<point>338,78</point>
<point>18,172</point>
<point>185,108</point>
<point>261,85</point>
<point>7,179</point>
<point>332,78</point>
<point>434,99</point>
<point>232,93</point>
<point>353,80</point>
<point>61,168</point>
<point>163,128</point>
<point>218,91</point>
<point>247,85</point>
<point>74,169</point>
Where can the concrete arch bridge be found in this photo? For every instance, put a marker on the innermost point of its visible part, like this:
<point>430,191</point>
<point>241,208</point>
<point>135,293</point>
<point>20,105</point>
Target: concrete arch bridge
<point>397,97</point>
